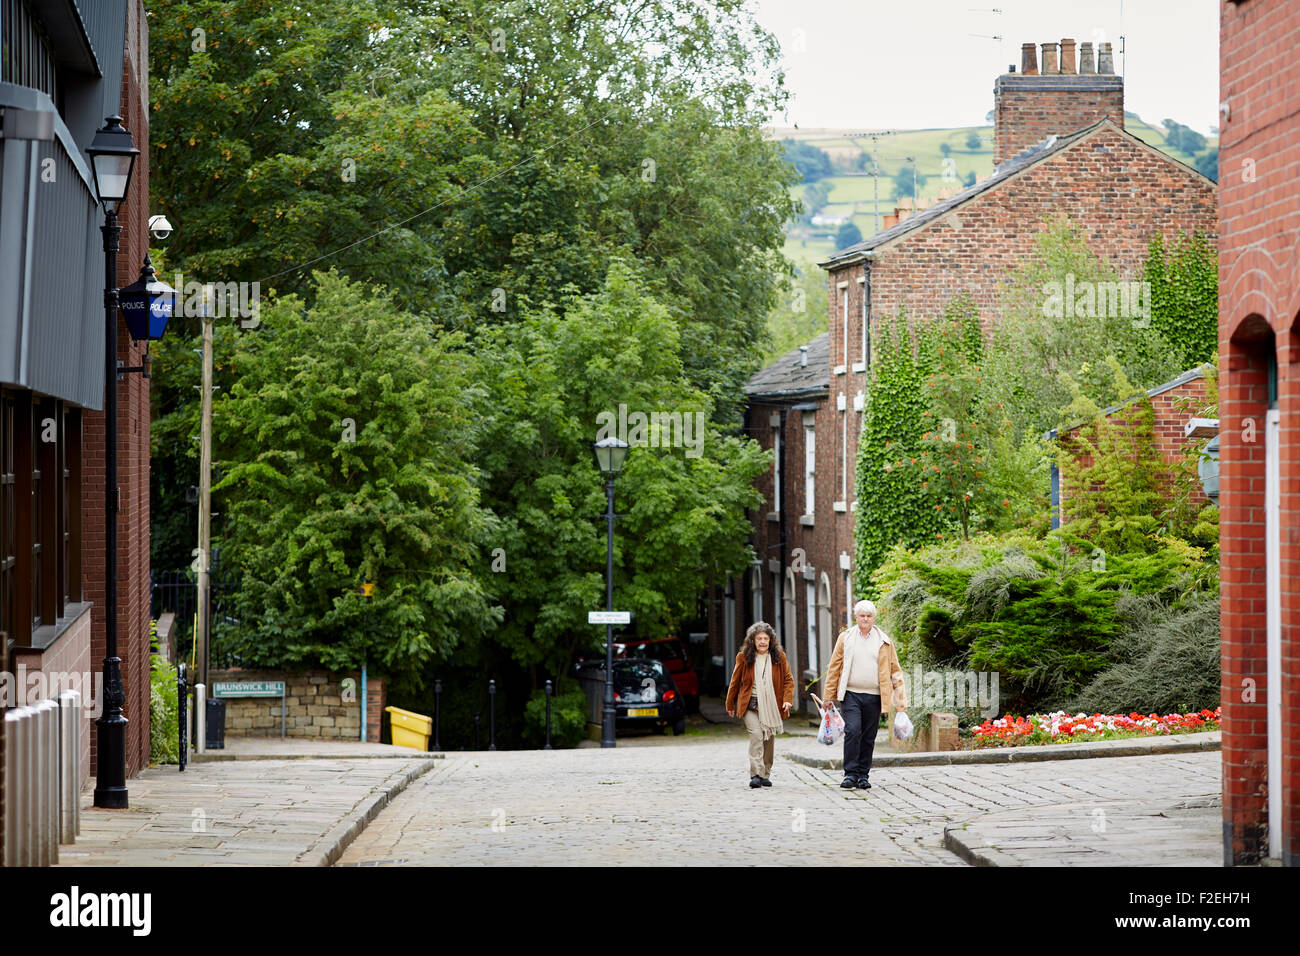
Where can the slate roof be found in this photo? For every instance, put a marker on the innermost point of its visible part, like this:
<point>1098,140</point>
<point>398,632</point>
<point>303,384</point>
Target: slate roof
<point>787,378</point>
<point>1039,151</point>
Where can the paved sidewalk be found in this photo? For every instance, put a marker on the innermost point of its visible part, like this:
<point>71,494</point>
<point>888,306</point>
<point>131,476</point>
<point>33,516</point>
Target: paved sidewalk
<point>689,805</point>
<point>273,812</point>
<point>302,748</point>
<point>684,800</point>
<point>810,753</point>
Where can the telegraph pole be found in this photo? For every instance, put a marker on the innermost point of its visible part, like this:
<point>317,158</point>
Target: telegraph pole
<point>205,499</point>
<point>875,173</point>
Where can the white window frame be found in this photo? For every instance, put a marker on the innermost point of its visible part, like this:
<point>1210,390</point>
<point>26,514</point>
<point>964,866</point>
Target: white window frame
<point>843,288</point>
<point>809,464</point>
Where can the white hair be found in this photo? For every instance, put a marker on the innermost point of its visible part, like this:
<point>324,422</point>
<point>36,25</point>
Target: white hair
<point>864,606</point>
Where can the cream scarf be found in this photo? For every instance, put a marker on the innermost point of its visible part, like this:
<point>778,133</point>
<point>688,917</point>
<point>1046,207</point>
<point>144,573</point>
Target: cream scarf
<point>769,714</point>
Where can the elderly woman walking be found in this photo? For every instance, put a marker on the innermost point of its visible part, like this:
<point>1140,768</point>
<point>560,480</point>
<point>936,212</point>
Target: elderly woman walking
<point>759,680</point>
<point>864,676</point>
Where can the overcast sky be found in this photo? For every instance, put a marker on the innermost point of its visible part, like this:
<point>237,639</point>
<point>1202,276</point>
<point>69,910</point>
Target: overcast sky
<point>914,64</point>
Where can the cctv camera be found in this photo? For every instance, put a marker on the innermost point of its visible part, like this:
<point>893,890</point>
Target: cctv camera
<point>160,227</point>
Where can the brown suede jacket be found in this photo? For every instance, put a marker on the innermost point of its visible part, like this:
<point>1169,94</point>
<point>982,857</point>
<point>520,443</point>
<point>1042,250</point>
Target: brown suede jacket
<point>742,684</point>
<point>893,695</point>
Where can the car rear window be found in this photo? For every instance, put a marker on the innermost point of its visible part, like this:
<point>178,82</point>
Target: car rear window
<point>637,671</point>
<point>658,651</point>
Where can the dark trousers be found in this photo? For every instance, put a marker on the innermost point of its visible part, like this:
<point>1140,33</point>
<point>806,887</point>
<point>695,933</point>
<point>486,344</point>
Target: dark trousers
<point>861,721</point>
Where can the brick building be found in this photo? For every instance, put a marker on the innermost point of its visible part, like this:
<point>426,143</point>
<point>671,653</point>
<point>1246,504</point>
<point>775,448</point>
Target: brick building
<point>1174,404</point>
<point>68,64</point>
<point>1062,150</point>
<point>1259,417</point>
<point>792,584</point>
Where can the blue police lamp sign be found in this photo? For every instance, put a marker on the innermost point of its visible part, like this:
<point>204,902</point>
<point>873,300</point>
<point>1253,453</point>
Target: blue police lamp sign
<point>147,305</point>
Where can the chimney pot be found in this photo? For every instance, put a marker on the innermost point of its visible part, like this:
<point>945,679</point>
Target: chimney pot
<point>1028,59</point>
<point>803,355</point>
<point>1085,58</point>
<point>1050,64</point>
<point>1105,62</point>
<point>1067,55</point>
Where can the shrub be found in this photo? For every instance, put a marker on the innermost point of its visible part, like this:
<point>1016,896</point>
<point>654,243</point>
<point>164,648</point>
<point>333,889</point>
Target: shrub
<point>1041,613</point>
<point>1163,662</point>
<point>164,714</point>
<point>568,717</point>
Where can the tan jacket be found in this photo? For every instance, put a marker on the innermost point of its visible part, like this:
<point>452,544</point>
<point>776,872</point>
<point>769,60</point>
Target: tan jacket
<point>891,674</point>
<point>742,684</point>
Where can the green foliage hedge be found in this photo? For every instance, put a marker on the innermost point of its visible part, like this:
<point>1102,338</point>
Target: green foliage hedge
<point>1166,661</point>
<point>164,712</point>
<point>1041,612</point>
<point>568,717</point>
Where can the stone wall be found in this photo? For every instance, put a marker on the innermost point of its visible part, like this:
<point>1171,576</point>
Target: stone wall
<point>319,704</point>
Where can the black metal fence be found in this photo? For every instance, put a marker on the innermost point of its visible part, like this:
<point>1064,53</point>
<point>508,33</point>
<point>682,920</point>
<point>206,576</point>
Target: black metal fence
<point>178,592</point>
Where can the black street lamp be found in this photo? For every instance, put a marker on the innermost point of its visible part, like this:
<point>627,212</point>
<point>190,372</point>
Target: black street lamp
<point>112,160</point>
<point>610,456</point>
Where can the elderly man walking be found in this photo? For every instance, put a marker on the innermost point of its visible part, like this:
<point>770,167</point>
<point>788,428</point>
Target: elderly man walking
<point>864,677</point>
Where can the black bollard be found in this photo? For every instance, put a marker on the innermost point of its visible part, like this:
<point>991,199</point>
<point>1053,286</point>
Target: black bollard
<point>182,690</point>
<point>476,726</point>
<point>548,716</point>
<point>437,714</point>
<point>492,715</point>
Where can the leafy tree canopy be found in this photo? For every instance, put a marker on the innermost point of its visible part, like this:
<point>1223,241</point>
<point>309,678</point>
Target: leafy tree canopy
<point>347,441</point>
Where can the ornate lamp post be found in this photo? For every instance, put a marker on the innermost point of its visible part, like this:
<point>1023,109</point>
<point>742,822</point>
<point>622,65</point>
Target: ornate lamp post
<point>112,160</point>
<point>610,456</point>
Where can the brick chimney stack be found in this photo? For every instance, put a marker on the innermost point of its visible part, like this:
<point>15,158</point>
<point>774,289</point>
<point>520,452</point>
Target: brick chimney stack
<point>1085,58</point>
<point>1054,100</point>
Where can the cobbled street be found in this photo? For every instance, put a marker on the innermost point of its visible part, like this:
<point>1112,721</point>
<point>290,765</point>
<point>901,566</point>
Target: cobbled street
<point>689,802</point>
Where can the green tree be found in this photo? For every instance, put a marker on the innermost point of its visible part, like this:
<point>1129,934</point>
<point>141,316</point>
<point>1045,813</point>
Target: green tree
<point>683,494</point>
<point>450,151</point>
<point>847,235</point>
<point>812,163</point>
<point>801,316</point>
<point>1113,471</point>
<point>907,181</point>
<point>346,442</point>
<point>1032,342</point>
<point>973,141</point>
<point>1207,164</point>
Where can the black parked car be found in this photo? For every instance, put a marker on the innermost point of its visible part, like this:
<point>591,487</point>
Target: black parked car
<point>645,694</point>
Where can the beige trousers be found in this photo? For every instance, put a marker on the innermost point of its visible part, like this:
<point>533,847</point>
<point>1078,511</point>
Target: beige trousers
<point>761,751</point>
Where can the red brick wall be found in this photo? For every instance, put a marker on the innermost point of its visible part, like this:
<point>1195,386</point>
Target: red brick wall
<point>68,655</point>
<point>1259,299</point>
<point>1121,197</point>
<point>1028,108</point>
<point>133,439</point>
